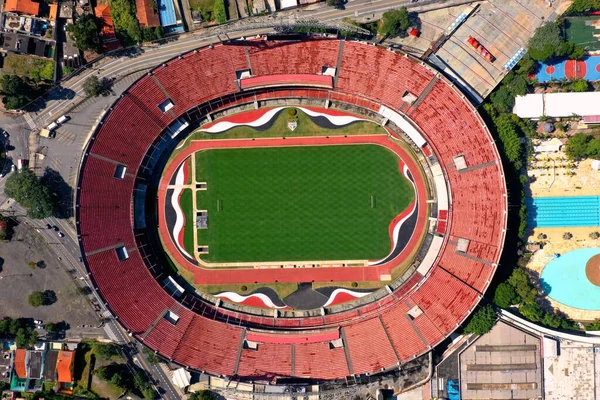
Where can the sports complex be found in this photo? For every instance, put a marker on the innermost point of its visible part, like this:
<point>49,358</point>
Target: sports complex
<point>291,207</point>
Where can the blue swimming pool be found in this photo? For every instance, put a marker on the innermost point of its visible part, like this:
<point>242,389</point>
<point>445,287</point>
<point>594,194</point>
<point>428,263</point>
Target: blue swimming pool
<point>550,212</point>
<point>563,279</point>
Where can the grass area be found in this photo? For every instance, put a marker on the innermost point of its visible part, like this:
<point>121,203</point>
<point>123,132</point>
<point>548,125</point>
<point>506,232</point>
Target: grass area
<point>204,7</point>
<point>187,207</point>
<point>32,67</point>
<point>300,203</point>
<point>85,357</point>
<point>581,31</point>
<point>306,127</point>
<point>351,285</point>
<point>282,289</point>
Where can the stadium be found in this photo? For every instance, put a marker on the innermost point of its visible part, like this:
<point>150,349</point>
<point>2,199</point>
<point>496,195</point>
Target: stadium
<point>358,174</point>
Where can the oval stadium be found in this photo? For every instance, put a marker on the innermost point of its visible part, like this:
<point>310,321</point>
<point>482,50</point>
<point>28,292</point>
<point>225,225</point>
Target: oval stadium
<point>291,208</point>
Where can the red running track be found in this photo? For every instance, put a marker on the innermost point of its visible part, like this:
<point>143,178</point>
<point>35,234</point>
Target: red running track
<point>229,276</point>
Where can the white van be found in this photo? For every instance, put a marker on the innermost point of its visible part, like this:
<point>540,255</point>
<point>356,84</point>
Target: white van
<point>62,119</point>
<point>52,126</point>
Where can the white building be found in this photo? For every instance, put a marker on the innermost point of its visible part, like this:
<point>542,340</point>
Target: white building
<point>557,105</point>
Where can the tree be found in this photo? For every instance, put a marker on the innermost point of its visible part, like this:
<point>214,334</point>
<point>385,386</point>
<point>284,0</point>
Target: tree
<point>567,236</point>
<point>85,33</point>
<point>594,235</point>
<point>91,86</point>
<point>126,25</point>
<point>510,141</point>
<point>339,4</point>
<point>219,12</point>
<point>552,320</point>
<point>118,380</point>
<point>482,321</point>
<point>577,145</point>
<point>106,350</point>
<point>37,299</point>
<point>577,53</point>
<point>579,85</point>
<point>17,91</point>
<point>51,327</point>
<point>547,42</point>
<point>27,189</point>
<point>519,280</point>
<point>532,311</point>
<point>505,295</point>
<point>202,395</point>
<point>151,357</point>
<point>502,100</point>
<point>394,22</point>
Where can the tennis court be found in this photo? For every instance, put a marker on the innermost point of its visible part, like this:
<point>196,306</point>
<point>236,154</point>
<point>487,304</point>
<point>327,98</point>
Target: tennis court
<point>584,31</point>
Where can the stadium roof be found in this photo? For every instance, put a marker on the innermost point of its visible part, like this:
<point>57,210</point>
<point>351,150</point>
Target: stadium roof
<point>557,105</point>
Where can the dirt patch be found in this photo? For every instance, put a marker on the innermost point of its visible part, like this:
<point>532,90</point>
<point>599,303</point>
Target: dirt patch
<point>592,270</point>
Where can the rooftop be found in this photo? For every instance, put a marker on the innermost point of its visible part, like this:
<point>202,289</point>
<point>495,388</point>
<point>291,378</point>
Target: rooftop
<point>22,6</point>
<point>64,366</point>
<point>557,105</point>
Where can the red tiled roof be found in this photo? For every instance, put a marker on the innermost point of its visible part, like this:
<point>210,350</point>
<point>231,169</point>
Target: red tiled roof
<point>64,366</point>
<point>20,369</point>
<point>107,29</point>
<point>53,11</point>
<point>22,6</point>
<point>145,14</point>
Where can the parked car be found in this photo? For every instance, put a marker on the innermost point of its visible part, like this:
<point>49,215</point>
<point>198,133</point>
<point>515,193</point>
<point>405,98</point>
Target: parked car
<point>38,321</point>
<point>48,226</point>
<point>55,228</point>
<point>5,134</point>
<point>60,234</point>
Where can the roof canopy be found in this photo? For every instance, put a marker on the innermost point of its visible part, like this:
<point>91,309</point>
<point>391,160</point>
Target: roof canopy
<point>557,105</point>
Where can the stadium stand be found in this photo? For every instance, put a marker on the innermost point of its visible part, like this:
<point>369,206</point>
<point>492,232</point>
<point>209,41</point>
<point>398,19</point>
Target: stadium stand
<point>369,338</point>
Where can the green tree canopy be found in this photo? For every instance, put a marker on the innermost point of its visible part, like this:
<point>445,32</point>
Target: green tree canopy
<point>394,22</point>
<point>85,33</point>
<point>17,91</point>
<point>203,395</point>
<point>532,311</point>
<point>579,85</point>
<point>27,189</point>
<point>547,42</point>
<point>581,145</point>
<point>126,24</point>
<point>505,295</point>
<point>482,321</point>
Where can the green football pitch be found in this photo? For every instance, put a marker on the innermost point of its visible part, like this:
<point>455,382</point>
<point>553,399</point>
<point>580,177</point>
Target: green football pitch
<point>583,31</point>
<point>299,203</point>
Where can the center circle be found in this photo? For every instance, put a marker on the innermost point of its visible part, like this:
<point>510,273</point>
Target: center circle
<point>592,270</point>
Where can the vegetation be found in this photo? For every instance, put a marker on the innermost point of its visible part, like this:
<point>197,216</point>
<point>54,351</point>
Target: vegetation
<point>202,395</point>
<point>46,298</point>
<point>394,22</point>
<point>35,68</point>
<point>219,12</point>
<point>203,7</point>
<point>106,351</point>
<point>85,33</point>
<point>151,356</point>
<point>582,145</point>
<point>18,91</point>
<point>583,6</point>
<point>152,34</point>
<point>482,321</point>
<point>27,189</point>
<point>21,330</point>
<point>339,4</point>
<point>93,87</point>
<point>126,25</point>
<point>579,85</point>
<point>505,295</point>
<point>310,178</point>
<point>547,42</point>
<point>3,227</point>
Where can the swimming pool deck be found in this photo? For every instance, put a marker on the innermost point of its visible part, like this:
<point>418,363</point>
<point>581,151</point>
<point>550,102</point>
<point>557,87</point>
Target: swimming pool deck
<point>556,244</point>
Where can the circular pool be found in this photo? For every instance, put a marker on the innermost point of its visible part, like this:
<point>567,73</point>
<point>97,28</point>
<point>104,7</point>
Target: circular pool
<point>565,280</point>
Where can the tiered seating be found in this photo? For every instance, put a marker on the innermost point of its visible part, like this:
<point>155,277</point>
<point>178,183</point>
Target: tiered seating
<point>209,346</point>
<point>199,77</point>
<point>148,96</point>
<point>404,337</point>
<point>129,288</point>
<point>307,57</point>
<point>165,337</point>
<point>286,80</point>
<point>369,347</point>
<point>474,273</point>
<point>478,204</point>
<point>105,206</point>
<point>289,337</point>
<point>126,134</point>
<point>453,128</point>
<point>319,361</point>
<point>269,361</point>
<point>445,300</point>
<point>380,74</point>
